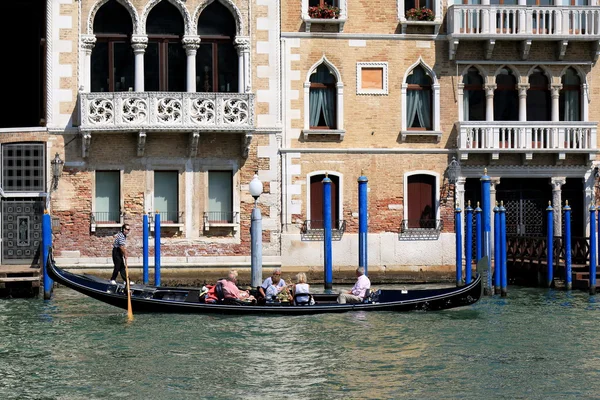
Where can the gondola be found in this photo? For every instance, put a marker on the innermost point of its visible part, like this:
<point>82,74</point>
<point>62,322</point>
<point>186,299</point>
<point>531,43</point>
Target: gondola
<point>153,299</point>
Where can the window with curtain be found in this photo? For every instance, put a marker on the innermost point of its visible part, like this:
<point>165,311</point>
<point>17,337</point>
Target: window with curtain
<point>538,97</point>
<point>421,201</point>
<point>322,94</point>
<point>216,59</point>
<point>112,68</point>
<point>570,97</point>
<point>107,201</point>
<point>473,96</point>
<point>165,58</point>
<point>166,189</point>
<point>506,97</point>
<point>220,197</point>
<point>419,100</point>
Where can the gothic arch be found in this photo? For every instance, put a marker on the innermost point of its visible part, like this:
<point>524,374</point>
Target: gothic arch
<point>237,15</point>
<point>428,71</point>
<point>187,19</point>
<point>580,72</point>
<point>482,71</point>
<point>125,3</point>
<point>514,70</point>
<point>332,68</point>
<point>547,73</point>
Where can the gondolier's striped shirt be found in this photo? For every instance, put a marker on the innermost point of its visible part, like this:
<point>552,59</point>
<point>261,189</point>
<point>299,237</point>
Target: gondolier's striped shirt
<point>120,240</point>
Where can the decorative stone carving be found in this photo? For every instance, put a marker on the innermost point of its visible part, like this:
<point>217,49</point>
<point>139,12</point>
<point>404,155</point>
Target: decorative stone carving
<point>237,15</point>
<point>88,42</point>
<point>235,111</point>
<point>141,145</point>
<point>134,110</point>
<point>203,111</point>
<point>246,140</point>
<point>168,110</point>
<point>242,44</point>
<point>139,43</point>
<point>86,141</point>
<point>188,28</point>
<point>126,3</point>
<point>194,140</point>
<point>101,111</point>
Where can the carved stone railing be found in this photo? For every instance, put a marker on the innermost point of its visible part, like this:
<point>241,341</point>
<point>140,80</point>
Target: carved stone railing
<point>497,137</point>
<point>166,111</point>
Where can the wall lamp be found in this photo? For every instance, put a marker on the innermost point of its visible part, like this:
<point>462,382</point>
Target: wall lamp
<point>57,168</point>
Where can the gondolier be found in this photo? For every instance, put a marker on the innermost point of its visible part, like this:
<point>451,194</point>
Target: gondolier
<point>119,254</point>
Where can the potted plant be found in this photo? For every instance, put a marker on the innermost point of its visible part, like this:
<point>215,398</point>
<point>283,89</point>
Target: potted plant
<point>420,14</point>
<point>324,12</point>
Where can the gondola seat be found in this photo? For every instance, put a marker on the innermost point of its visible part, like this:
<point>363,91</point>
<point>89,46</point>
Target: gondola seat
<point>303,303</point>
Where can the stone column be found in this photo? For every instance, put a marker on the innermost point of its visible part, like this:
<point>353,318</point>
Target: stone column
<point>523,101</point>
<point>557,183</point>
<point>461,100</point>
<point>139,44</point>
<point>191,44</point>
<point>242,45</point>
<point>555,93</point>
<point>489,102</point>
<point>87,45</point>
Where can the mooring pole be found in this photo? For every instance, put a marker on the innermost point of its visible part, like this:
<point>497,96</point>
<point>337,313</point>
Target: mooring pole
<point>328,281</point>
<point>46,244</point>
<point>157,249</point>
<point>592,249</point>
<point>497,248</point>
<point>504,272</point>
<point>486,208</point>
<point>458,229</point>
<point>567,246</point>
<point>477,233</point>
<point>145,248</point>
<point>468,241</point>
<point>362,222</point>
<point>550,246</point>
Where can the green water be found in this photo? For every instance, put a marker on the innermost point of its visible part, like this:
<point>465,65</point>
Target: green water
<point>535,344</point>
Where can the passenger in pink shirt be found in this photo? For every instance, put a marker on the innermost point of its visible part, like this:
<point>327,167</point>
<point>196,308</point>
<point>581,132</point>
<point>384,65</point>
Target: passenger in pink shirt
<point>357,293</point>
<point>230,289</point>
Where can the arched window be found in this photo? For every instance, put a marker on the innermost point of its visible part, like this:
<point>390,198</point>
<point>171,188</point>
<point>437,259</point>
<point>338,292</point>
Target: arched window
<point>506,97</point>
<point>570,97</point>
<point>216,59</point>
<point>419,112</point>
<point>322,99</point>
<point>421,201</point>
<point>538,97</point>
<point>316,201</point>
<point>473,96</point>
<point>112,65</point>
<point>165,58</point>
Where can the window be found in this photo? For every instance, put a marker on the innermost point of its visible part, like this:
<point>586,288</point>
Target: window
<point>418,100</point>
<point>107,198</point>
<point>371,78</point>
<point>323,3</point>
<point>506,97</point>
<point>220,197</point>
<point>316,201</point>
<point>421,202</point>
<point>165,58</point>
<point>166,189</point>
<point>538,97</point>
<point>570,97</point>
<point>112,68</point>
<point>473,96</point>
<point>322,98</point>
<point>216,59</point>
<point>23,167</point>
<point>408,4</point>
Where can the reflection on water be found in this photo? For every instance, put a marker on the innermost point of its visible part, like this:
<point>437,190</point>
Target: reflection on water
<point>534,344</point>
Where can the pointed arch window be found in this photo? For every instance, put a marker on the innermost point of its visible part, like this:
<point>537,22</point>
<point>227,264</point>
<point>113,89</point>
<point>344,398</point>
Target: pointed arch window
<point>538,97</point>
<point>473,96</point>
<point>419,100</point>
<point>165,58</point>
<point>216,59</point>
<point>112,62</point>
<point>322,99</point>
<point>506,97</point>
<point>570,97</point>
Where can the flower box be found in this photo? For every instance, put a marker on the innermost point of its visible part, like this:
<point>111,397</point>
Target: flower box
<point>420,14</point>
<point>324,12</point>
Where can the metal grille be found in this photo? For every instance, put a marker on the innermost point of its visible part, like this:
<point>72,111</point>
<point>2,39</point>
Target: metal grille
<point>21,230</point>
<point>23,168</point>
<point>524,216</point>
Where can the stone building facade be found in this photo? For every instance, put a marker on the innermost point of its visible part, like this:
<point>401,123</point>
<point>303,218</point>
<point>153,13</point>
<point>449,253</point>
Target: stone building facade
<point>172,106</point>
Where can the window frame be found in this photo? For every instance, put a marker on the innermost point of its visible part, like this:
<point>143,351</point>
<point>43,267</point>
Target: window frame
<point>180,220</point>
<point>372,65</point>
<point>235,199</point>
<point>435,188</point>
<point>111,39</point>
<point>435,103</point>
<point>340,200</point>
<point>95,225</point>
<point>43,167</point>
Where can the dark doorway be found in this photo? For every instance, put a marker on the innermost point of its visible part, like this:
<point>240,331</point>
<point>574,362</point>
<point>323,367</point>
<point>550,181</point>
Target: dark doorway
<point>316,201</point>
<point>23,24</point>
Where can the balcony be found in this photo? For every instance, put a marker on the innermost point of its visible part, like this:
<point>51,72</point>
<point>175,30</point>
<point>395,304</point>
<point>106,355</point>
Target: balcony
<point>168,219</point>
<point>313,230</point>
<point>526,138</point>
<point>523,23</point>
<point>106,219</point>
<point>221,219</point>
<point>420,229</point>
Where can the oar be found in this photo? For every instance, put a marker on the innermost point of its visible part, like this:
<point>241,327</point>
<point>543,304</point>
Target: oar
<point>129,308</point>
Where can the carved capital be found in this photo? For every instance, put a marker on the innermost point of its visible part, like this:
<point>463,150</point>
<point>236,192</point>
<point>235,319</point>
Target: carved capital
<point>190,44</point>
<point>555,90</point>
<point>557,183</point>
<point>242,44</point>
<point>523,89</point>
<point>489,90</point>
<point>141,145</point>
<point>88,42</point>
<point>139,43</point>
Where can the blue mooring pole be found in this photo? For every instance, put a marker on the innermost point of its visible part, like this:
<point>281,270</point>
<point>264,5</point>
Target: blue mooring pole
<point>328,281</point>
<point>468,242</point>
<point>458,229</point>
<point>497,248</point>
<point>487,227</point>
<point>592,250</point>
<point>503,272</point>
<point>46,244</point>
<point>362,222</point>
<point>550,245</point>
<point>567,246</point>
<point>145,248</point>
<point>477,233</point>
<point>157,249</point>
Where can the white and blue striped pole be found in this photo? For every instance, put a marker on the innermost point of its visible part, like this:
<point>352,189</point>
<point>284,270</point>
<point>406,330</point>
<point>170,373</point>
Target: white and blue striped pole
<point>567,246</point>
<point>550,246</point>
<point>458,229</point>
<point>468,242</point>
<point>362,222</point>
<point>328,281</point>
<point>487,226</point>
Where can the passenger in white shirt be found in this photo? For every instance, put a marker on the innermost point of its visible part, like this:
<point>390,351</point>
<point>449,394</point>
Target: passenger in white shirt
<point>357,293</point>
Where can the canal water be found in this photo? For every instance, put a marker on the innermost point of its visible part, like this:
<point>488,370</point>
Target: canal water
<point>534,344</point>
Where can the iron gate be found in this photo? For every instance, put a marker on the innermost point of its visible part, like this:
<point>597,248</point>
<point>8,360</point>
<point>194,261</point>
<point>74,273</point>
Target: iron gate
<point>21,230</point>
<point>525,212</point>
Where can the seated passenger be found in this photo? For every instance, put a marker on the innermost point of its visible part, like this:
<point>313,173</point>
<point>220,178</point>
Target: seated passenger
<point>301,288</point>
<point>274,289</point>
<point>357,293</point>
<point>269,281</point>
<point>230,289</point>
